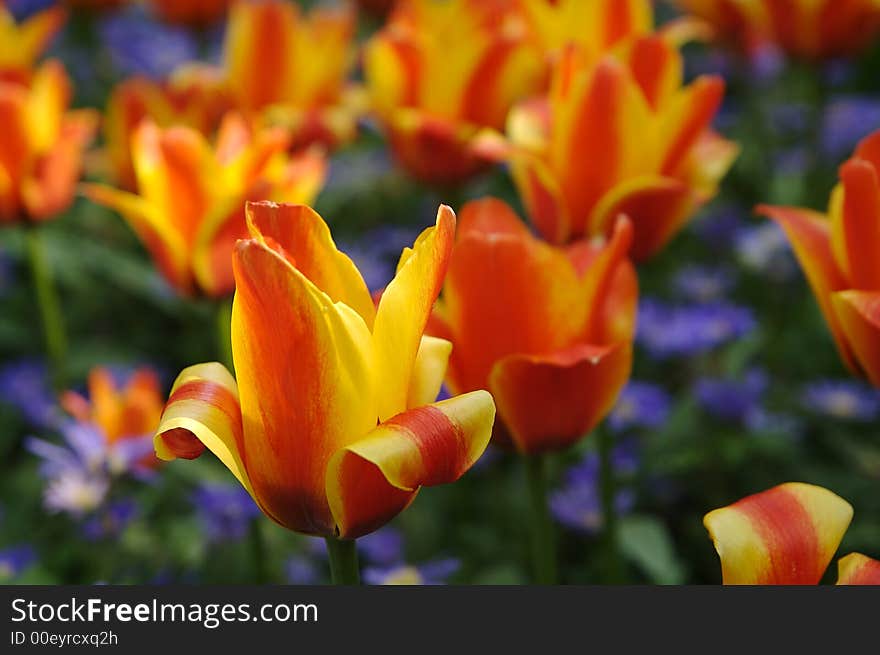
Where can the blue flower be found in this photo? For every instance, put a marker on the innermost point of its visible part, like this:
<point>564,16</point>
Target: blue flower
<point>299,569</point>
<point>735,400</point>
<point>702,284</point>
<point>842,399</point>
<point>23,9</point>
<point>14,560</point>
<point>436,572</point>
<point>720,227</point>
<point>681,330</point>
<point>24,384</point>
<point>225,511</point>
<point>111,521</point>
<point>377,251</point>
<point>140,45</point>
<point>578,503</point>
<point>640,405</point>
<point>765,249</point>
<point>382,548</point>
<point>847,120</point>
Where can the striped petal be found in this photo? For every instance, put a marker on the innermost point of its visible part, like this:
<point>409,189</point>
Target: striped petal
<point>809,235</point>
<point>786,535</point>
<point>859,315</point>
<point>549,402</point>
<point>371,480</point>
<point>306,382</point>
<point>858,569</point>
<point>203,411</point>
<point>404,310</point>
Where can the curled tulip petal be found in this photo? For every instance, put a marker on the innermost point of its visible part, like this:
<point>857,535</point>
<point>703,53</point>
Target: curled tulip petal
<point>404,310</point>
<point>855,225</point>
<point>858,569</point>
<point>203,412</point>
<point>786,535</point>
<point>859,316</point>
<point>374,478</point>
<point>549,402</point>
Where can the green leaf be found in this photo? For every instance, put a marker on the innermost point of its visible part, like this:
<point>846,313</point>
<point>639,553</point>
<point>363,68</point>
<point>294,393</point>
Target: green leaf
<point>646,542</point>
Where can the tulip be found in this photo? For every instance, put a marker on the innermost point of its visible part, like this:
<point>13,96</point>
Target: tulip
<point>786,535</point>
<point>304,88</point>
<point>547,330</point>
<point>439,72</point>
<point>807,29</point>
<point>330,422</point>
<point>22,44</point>
<point>840,255</point>
<point>193,96</point>
<point>621,136</point>
<point>199,13</point>
<point>188,209</point>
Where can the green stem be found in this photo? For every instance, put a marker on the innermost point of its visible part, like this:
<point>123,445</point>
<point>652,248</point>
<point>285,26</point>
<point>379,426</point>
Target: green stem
<point>543,548</point>
<point>608,492</point>
<point>258,551</point>
<point>48,304</point>
<point>224,332</point>
<point>343,561</point>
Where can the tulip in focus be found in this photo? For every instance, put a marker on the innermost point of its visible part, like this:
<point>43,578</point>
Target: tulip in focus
<point>786,535</point>
<point>439,72</point>
<point>196,13</point>
<point>840,255</point>
<point>547,330</point>
<point>330,422</point>
<point>41,145</point>
<point>188,209</point>
<point>194,96</point>
<point>808,29</point>
<point>293,67</point>
<point>21,44</point>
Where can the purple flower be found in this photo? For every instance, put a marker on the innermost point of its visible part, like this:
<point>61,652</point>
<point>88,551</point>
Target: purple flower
<point>111,521</point>
<point>140,45</point>
<point>14,560</point>
<point>793,161</point>
<point>842,399</point>
<point>300,569</point>
<point>702,284</point>
<point>23,9</point>
<point>681,330</point>
<point>766,63</point>
<point>24,384</point>
<point>377,251</point>
<point>435,572</point>
<point>720,227</point>
<point>734,400</point>
<point>847,120</point>
<point>640,405</point>
<point>764,249</point>
<point>382,548</point>
<point>578,504</point>
<point>225,511</point>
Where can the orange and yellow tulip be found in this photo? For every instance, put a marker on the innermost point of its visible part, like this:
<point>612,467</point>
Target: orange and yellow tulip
<point>305,88</point>
<point>193,96</point>
<point>809,29</point>
<point>22,44</point>
<point>621,136</point>
<point>840,255</point>
<point>439,72</point>
<point>188,209</point>
<point>340,442</point>
<point>547,330</point>
<point>131,411</point>
<point>786,535</point>
<point>191,12</point>
<point>41,145</point>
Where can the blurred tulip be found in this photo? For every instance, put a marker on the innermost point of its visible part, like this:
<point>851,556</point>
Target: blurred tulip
<point>194,96</point>
<point>438,72</point>
<point>188,209</point>
<point>341,442</point>
<point>304,88</point>
<point>840,255</point>
<point>22,44</point>
<point>621,136</point>
<point>810,29</point>
<point>41,145</point>
<point>547,330</point>
<point>198,13</point>
<point>786,535</point>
